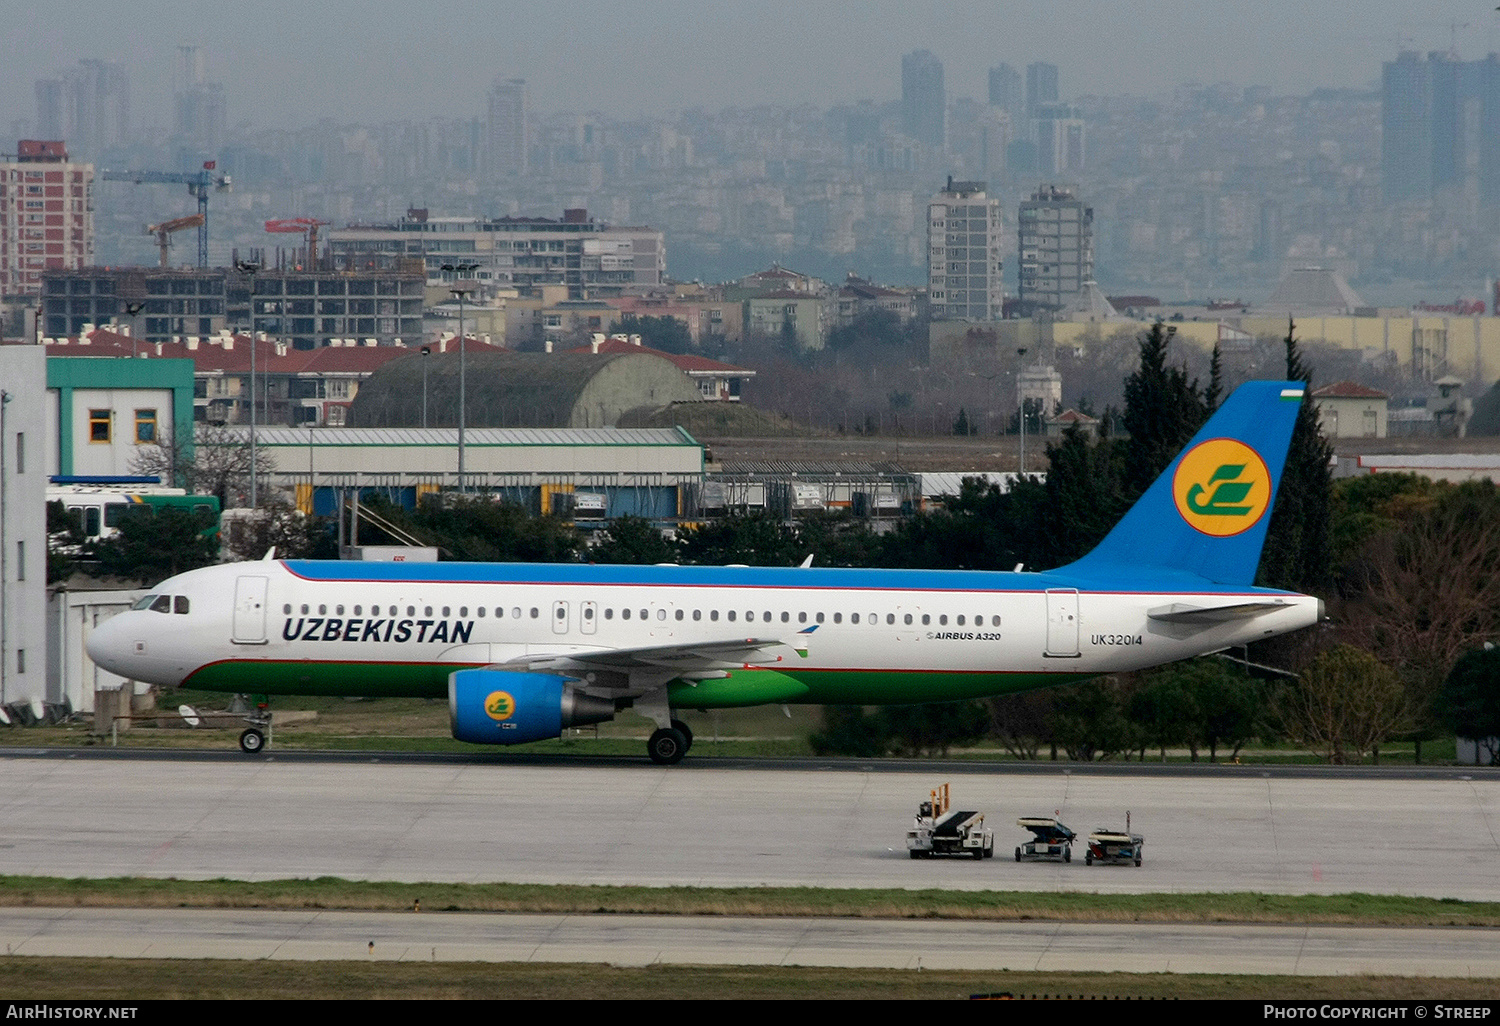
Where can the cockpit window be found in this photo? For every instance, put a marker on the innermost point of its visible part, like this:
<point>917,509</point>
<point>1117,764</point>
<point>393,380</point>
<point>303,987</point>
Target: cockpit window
<point>145,602</point>
<point>163,604</point>
<point>179,604</point>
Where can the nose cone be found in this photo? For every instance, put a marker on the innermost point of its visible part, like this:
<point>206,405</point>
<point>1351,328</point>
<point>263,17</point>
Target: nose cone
<point>111,645</point>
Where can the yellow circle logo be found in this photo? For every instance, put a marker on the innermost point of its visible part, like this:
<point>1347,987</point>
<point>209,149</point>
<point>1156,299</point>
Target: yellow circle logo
<point>1222,487</point>
<point>500,706</point>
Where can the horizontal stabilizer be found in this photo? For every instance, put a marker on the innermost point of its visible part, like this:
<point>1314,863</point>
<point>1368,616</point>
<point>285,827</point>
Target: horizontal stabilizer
<point>1186,612</point>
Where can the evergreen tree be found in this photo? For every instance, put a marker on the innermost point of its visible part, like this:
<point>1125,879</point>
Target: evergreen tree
<point>1296,553</point>
<point>1084,494</point>
<point>1215,381</point>
<point>1163,410</point>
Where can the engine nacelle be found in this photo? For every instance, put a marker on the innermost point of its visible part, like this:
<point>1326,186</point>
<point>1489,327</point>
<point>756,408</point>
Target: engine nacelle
<point>500,707</point>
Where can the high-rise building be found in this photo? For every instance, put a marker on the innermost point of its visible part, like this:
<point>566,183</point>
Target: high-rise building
<point>200,112</point>
<point>1440,120</point>
<point>1061,139</point>
<point>508,138</point>
<point>46,216</point>
<point>1041,86</point>
<point>1406,128</point>
<point>924,101</point>
<point>1006,92</point>
<point>1056,233</point>
<point>88,107</point>
<point>964,267</point>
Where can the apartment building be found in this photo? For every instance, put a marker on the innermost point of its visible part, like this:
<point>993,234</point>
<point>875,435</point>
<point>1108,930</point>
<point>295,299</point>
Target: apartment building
<point>593,260</point>
<point>1056,232</point>
<point>46,216</point>
<point>963,254</point>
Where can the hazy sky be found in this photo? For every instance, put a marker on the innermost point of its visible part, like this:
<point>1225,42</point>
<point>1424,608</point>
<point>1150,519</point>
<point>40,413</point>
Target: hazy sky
<point>287,64</point>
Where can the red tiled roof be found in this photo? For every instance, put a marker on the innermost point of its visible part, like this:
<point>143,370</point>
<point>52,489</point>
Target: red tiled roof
<point>1348,390</point>
<point>211,358</point>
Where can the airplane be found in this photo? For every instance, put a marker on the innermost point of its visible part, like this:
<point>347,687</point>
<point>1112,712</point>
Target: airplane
<point>524,651</point>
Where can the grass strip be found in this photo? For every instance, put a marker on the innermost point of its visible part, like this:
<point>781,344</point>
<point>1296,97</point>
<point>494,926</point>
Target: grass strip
<point>871,903</point>
<point>121,979</point>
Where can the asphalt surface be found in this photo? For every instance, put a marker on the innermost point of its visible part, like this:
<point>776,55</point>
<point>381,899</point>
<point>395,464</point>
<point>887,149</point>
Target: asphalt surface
<point>715,823</point>
<point>708,823</point>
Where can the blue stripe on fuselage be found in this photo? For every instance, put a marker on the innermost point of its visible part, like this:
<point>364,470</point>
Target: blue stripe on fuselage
<point>1134,579</point>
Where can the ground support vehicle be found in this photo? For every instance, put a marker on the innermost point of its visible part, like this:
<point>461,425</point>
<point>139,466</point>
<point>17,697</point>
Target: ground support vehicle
<point>940,830</point>
<point>1050,841</point>
<point>1112,847</point>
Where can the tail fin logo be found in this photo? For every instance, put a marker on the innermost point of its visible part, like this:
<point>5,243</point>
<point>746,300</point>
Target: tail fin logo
<point>1222,487</point>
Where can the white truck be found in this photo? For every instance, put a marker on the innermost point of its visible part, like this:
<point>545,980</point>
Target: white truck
<point>941,830</point>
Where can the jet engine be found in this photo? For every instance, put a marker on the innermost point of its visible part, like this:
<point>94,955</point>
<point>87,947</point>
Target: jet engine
<point>500,707</point>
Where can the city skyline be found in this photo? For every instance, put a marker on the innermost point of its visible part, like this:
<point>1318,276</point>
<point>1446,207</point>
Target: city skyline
<point>390,62</point>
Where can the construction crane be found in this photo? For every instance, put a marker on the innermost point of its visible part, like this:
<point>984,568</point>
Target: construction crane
<point>164,230</point>
<point>198,182</point>
<point>307,226</point>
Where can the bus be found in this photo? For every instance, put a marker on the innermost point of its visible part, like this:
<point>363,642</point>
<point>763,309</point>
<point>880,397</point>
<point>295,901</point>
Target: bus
<point>96,505</point>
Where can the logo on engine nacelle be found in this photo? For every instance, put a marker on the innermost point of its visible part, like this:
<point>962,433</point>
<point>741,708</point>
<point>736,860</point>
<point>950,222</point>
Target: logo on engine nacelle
<point>500,706</point>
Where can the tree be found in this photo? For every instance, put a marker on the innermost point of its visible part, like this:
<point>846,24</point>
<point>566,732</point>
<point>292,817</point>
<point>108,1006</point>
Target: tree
<point>665,333</point>
<point>1084,494</point>
<point>1430,590</point>
<point>1344,705</point>
<point>1089,722</point>
<point>479,529</point>
<point>932,729</point>
<point>1022,722</point>
<point>848,730</point>
<point>1166,712</point>
<point>1296,553</point>
<point>152,545</point>
<point>1469,701</point>
<point>220,464</point>
<point>755,539</point>
<point>280,525</point>
<point>961,425</point>
<point>631,539</point>
<point>1163,410</point>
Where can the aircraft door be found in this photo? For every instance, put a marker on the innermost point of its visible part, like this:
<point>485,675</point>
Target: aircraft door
<point>588,617</point>
<point>559,618</point>
<point>249,611</point>
<point>1062,623</point>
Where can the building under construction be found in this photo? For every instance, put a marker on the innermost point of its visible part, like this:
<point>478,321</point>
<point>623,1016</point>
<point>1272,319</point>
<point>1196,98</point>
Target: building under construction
<point>308,308</point>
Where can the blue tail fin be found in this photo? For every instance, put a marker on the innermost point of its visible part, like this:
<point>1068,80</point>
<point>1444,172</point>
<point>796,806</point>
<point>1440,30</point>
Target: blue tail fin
<point>1208,512</point>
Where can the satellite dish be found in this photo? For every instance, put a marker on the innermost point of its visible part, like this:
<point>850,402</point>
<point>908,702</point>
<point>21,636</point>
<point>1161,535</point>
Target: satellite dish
<point>190,714</point>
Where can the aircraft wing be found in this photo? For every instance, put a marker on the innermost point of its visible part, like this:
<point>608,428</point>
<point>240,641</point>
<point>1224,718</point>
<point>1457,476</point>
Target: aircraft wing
<point>1187,612</point>
<point>640,669</point>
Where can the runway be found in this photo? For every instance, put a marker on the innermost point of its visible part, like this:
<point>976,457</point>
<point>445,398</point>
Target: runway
<point>723,940</point>
<point>703,824</point>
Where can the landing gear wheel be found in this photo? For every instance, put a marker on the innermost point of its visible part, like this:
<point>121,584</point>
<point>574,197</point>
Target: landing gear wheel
<point>667,747</point>
<point>1138,863</point>
<point>683,729</point>
<point>252,742</point>
<point>1018,854</point>
<point>1067,854</point>
<point>1088,860</point>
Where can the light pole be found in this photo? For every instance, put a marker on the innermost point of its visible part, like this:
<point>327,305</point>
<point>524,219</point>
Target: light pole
<point>1021,394</point>
<point>460,292</point>
<point>426,352</point>
<point>249,267</point>
<point>131,309</point>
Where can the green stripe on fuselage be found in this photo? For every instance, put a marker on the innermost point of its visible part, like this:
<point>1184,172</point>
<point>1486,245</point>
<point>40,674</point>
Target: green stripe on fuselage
<point>740,688</point>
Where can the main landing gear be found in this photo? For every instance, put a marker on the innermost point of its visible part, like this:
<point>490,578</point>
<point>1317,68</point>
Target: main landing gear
<point>669,744</point>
